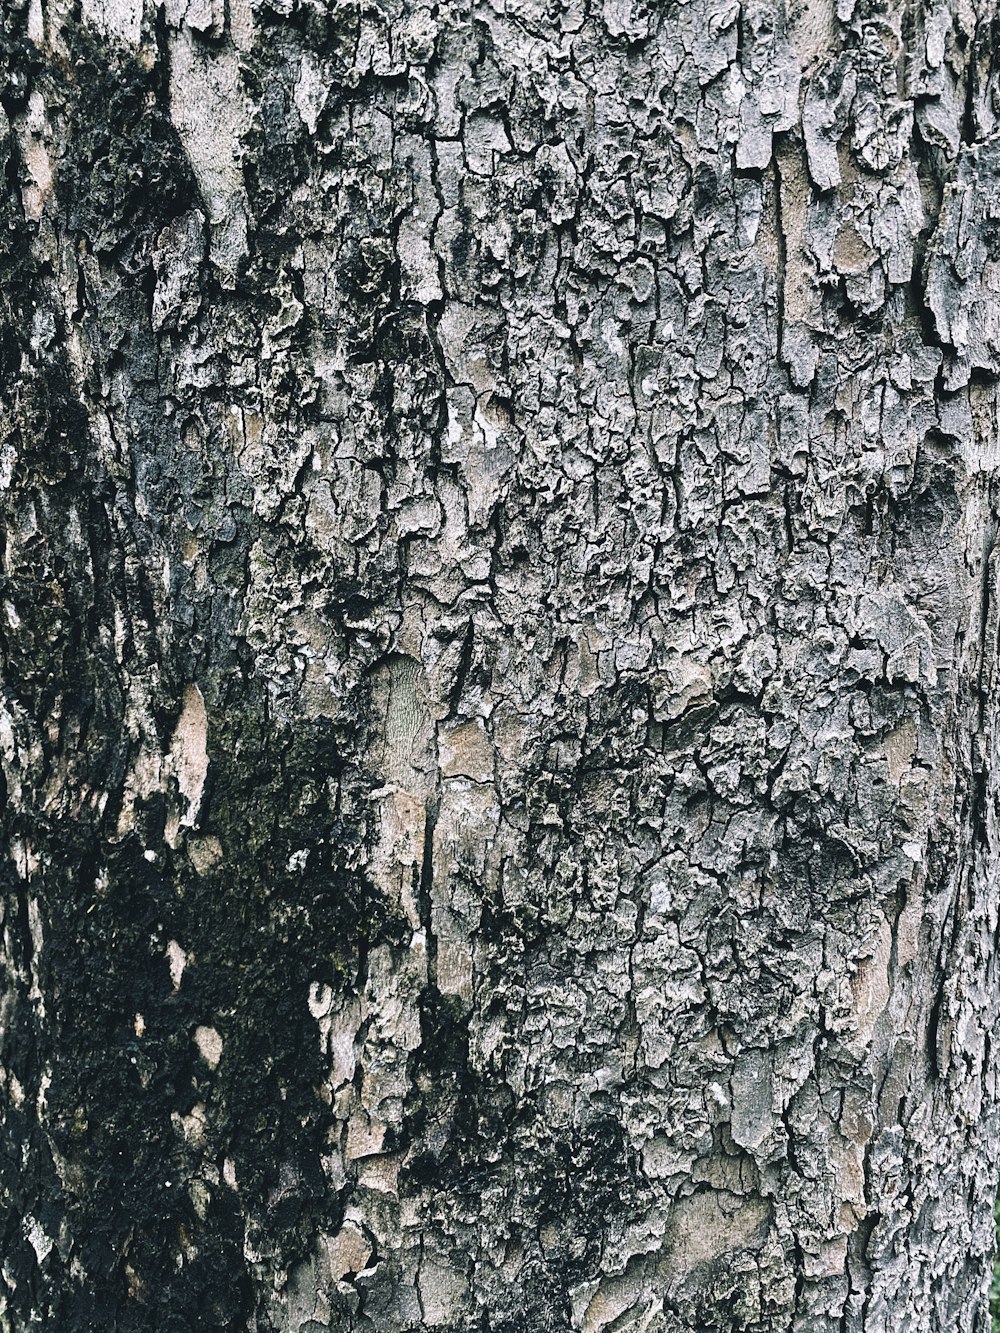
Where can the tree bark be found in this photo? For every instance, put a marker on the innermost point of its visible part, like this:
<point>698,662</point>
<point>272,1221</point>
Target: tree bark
<point>499,648</point>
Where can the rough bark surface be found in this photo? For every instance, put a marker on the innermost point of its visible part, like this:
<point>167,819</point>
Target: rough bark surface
<point>499,657</point>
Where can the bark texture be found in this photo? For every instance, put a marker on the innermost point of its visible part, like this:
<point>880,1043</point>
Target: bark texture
<point>499,658</point>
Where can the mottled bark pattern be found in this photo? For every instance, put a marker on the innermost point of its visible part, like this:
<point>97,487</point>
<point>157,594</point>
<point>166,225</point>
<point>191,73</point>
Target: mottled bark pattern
<point>499,658</point>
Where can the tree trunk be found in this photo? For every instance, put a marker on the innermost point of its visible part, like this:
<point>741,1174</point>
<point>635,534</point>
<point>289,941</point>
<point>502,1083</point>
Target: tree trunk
<point>499,637</point>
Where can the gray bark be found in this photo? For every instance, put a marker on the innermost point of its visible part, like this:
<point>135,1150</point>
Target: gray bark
<point>499,649</point>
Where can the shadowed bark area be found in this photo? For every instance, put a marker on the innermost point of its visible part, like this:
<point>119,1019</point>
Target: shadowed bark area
<point>498,651</point>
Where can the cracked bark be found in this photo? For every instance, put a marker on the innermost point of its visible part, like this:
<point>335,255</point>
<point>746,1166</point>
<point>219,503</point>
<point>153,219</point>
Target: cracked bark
<point>499,648</point>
